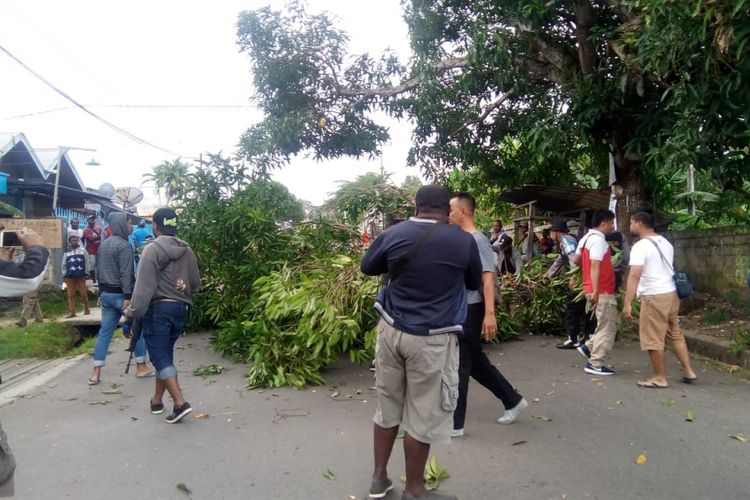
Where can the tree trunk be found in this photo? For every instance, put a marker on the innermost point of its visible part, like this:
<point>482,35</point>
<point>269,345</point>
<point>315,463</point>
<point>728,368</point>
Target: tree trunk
<point>631,197</point>
<point>629,189</point>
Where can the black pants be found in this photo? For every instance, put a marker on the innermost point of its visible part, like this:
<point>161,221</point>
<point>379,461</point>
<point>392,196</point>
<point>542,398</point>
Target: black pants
<point>474,363</point>
<point>577,320</point>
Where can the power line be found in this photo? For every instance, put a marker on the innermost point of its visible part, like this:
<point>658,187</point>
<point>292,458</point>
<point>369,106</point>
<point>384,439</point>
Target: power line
<point>83,108</point>
<point>52,42</point>
<point>203,107</point>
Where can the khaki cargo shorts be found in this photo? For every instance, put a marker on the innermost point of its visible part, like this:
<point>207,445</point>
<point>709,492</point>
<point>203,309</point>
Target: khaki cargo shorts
<point>417,382</point>
<point>658,321</point>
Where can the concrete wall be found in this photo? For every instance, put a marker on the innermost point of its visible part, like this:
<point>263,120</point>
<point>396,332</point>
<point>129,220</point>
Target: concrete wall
<point>717,260</point>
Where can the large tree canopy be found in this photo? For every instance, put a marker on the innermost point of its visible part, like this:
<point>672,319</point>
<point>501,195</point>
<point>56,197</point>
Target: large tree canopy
<point>533,91</point>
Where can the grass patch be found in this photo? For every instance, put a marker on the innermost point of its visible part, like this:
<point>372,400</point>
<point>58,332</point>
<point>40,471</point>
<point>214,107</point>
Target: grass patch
<point>53,306</point>
<point>714,317</point>
<point>36,340</point>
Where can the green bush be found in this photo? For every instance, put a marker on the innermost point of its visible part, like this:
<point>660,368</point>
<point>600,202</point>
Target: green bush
<point>740,342</point>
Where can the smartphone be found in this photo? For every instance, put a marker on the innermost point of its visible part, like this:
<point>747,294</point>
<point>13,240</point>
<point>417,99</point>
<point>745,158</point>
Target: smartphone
<point>9,239</point>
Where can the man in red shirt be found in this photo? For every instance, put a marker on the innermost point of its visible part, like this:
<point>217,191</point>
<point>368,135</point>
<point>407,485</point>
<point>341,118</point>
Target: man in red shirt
<point>594,256</point>
<point>92,237</point>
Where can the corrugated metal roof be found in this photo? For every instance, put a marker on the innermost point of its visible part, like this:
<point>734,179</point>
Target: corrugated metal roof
<point>558,199</point>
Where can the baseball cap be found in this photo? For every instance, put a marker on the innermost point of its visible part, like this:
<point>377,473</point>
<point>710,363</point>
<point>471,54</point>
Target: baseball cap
<point>166,220</point>
<point>433,196</point>
<point>559,225</point>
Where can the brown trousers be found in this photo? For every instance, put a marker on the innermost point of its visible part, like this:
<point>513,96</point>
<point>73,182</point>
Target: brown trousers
<point>31,307</point>
<point>77,285</point>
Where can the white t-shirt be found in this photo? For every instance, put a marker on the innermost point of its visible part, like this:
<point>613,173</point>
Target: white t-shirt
<point>657,276</point>
<point>595,242</point>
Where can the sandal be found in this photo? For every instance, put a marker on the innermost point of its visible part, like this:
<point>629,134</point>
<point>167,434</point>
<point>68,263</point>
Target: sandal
<point>94,381</point>
<point>688,380</point>
<point>648,384</point>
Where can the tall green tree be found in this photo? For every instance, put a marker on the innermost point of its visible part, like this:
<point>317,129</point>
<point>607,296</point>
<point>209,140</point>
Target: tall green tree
<point>370,195</point>
<point>523,91</point>
<point>171,177</point>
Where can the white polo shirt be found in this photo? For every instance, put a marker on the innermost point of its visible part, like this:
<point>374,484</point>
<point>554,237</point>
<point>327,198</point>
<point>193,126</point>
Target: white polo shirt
<point>657,276</point>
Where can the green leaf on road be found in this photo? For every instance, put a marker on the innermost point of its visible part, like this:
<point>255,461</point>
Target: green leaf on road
<point>690,416</point>
<point>668,402</point>
<point>110,392</point>
<point>543,418</point>
<point>328,474</point>
<point>206,370</point>
<point>183,488</point>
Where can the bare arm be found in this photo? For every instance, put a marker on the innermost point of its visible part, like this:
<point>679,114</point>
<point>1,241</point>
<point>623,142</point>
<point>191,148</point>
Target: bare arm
<point>595,271</point>
<point>489,324</point>
<point>634,277</point>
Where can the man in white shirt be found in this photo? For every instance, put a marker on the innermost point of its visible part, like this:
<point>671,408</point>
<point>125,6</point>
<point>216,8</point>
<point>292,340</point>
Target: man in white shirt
<point>595,258</point>
<point>652,279</point>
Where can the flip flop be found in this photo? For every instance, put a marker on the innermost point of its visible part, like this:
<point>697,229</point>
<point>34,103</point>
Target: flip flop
<point>94,381</point>
<point>152,373</point>
<point>688,380</point>
<point>647,384</point>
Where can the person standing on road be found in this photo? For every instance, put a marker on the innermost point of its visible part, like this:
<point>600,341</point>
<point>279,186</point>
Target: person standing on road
<point>164,286</point>
<point>115,271</point>
<point>92,237</point>
<point>480,322</point>
<point>74,271</point>
<point>576,317</point>
<point>651,278</point>
<point>16,280</point>
<point>431,264</point>
<point>595,258</point>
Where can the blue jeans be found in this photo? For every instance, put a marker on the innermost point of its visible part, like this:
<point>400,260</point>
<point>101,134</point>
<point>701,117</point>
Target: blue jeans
<point>111,304</point>
<point>163,324</point>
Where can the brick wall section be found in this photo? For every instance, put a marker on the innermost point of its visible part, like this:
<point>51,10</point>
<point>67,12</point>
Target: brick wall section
<point>717,260</point>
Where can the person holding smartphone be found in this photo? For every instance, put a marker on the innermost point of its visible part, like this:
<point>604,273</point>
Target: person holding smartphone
<point>16,280</point>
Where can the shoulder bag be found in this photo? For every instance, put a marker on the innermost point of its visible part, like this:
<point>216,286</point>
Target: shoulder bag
<point>681,280</point>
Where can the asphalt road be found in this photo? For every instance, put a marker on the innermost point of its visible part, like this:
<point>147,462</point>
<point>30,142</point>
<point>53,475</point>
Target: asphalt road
<point>579,440</point>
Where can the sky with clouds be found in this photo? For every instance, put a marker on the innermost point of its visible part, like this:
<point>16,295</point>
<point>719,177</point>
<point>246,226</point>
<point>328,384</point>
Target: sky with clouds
<point>170,73</point>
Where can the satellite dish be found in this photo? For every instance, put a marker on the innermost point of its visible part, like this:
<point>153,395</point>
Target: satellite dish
<point>107,190</point>
<point>129,196</point>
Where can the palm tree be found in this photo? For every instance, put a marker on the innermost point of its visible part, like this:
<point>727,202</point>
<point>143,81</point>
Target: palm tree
<point>171,176</point>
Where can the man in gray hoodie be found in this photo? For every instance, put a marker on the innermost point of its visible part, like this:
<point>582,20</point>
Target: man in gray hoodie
<point>114,269</point>
<point>167,278</point>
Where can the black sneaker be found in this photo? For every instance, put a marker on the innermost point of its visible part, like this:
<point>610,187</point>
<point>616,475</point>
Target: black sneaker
<point>568,344</point>
<point>157,409</point>
<point>179,413</point>
<point>584,350</point>
<point>379,489</point>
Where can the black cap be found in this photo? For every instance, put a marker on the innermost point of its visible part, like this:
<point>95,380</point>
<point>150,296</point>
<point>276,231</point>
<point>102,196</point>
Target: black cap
<point>166,221</point>
<point>559,225</point>
<point>433,196</point>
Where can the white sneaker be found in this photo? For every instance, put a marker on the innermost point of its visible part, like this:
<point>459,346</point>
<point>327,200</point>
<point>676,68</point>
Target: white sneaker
<point>511,415</point>
<point>455,433</point>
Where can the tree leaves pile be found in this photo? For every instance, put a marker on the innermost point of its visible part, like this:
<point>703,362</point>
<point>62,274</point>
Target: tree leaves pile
<point>303,317</point>
<point>529,304</point>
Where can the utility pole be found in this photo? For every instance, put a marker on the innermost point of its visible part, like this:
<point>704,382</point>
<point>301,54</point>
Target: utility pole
<point>691,189</point>
<point>62,151</point>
